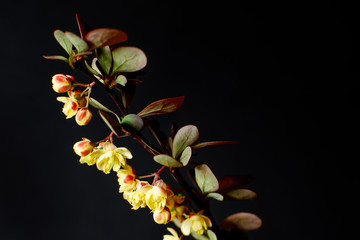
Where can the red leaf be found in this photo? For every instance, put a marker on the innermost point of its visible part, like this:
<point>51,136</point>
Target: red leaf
<point>228,182</point>
<point>102,37</point>
<point>211,144</point>
<point>242,221</point>
<point>163,106</point>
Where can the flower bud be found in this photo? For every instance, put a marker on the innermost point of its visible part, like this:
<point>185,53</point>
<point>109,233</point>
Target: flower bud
<point>83,116</point>
<point>162,216</point>
<point>83,148</point>
<point>62,83</point>
<point>132,123</point>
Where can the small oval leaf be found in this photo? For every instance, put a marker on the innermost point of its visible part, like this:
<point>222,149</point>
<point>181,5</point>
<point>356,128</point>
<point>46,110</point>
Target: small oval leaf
<point>211,234</point>
<point>121,79</point>
<point>216,196</point>
<point>163,106</point>
<point>242,221</point>
<point>80,44</point>
<point>186,136</point>
<point>64,42</point>
<point>205,179</point>
<point>198,236</point>
<point>128,59</point>
<point>105,58</point>
<point>102,37</point>
<point>185,156</point>
<point>61,58</point>
<point>240,194</point>
<point>166,160</point>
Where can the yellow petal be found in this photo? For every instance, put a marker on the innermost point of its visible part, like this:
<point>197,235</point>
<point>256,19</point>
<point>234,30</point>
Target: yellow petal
<point>186,227</point>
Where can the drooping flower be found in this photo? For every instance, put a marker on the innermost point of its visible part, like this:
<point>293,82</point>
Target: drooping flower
<point>83,116</point>
<point>62,83</point>
<point>173,236</point>
<point>84,147</point>
<point>112,157</point>
<point>70,106</point>
<point>137,198</point>
<point>195,223</point>
<point>162,216</point>
<point>107,156</point>
<point>156,198</point>
<point>126,178</point>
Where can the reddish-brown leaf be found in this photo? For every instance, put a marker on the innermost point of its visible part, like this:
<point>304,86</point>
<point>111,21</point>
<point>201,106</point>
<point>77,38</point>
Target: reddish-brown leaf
<point>212,144</point>
<point>242,221</point>
<point>228,182</point>
<point>102,37</point>
<point>163,106</point>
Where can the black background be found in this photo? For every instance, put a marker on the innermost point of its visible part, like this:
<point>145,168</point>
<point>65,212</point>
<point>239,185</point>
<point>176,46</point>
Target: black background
<point>278,77</point>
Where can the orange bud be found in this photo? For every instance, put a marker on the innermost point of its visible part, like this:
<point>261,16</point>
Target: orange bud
<point>162,216</point>
<point>83,148</point>
<point>83,116</point>
<point>62,83</point>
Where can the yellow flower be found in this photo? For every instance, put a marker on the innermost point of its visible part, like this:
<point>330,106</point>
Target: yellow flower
<point>156,197</point>
<point>112,158</point>
<point>137,198</point>
<point>70,106</point>
<point>126,178</point>
<point>108,157</point>
<point>173,236</point>
<point>92,157</point>
<point>197,223</point>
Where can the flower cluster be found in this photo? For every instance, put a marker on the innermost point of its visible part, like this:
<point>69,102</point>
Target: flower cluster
<point>76,103</point>
<point>158,197</point>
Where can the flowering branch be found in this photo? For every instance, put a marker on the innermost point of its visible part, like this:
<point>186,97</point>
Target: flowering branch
<point>114,69</point>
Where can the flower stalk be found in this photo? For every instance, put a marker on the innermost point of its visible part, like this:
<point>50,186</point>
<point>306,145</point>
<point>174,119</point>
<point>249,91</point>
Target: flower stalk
<point>114,69</point>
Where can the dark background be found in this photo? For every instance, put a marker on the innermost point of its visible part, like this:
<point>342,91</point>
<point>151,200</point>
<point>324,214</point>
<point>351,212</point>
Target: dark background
<point>278,77</point>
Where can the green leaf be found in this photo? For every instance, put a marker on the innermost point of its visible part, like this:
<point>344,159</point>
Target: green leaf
<point>211,234</point>
<point>186,136</point>
<point>61,58</point>
<point>166,160</point>
<point>231,181</point>
<point>163,106</point>
<point>216,196</point>
<point>63,41</point>
<point>242,221</point>
<point>114,126</point>
<point>93,71</point>
<point>105,58</point>
<point>185,156</point>
<point>128,59</point>
<point>240,194</point>
<point>102,37</point>
<point>121,79</point>
<point>93,102</point>
<point>205,179</point>
<point>212,144</point>
<point>198,236</point>
<point>78,42</point>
